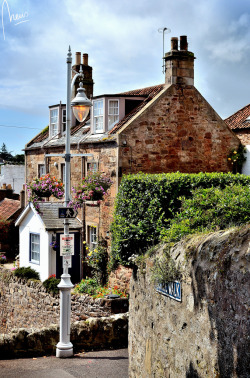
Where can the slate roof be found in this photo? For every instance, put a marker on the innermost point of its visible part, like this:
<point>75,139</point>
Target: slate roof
<point>8,207</point>
<point>239,119</point>
<point>81,133</point>
<point>52,221</point>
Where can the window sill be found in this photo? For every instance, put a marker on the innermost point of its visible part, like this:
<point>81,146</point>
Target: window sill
<point>92,203</point>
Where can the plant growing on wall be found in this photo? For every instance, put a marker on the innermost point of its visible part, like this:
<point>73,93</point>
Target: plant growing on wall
<point>237,157</point>
<point>97,259</point>
<point>44,186</point>
<point>92,188</point>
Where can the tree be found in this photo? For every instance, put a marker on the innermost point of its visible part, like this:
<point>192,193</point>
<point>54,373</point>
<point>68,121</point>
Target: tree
<point>5,154</point>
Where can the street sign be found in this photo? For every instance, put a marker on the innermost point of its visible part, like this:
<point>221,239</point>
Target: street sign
<point>67,245</point>
<point>67,212</point>
<point>170,289</point>
<point>67,261</point>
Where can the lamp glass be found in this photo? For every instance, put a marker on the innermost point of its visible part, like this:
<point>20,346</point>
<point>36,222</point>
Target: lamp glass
<point>80,112</point>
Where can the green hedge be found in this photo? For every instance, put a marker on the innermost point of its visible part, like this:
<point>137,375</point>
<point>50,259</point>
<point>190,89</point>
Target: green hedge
<point>146,204</point>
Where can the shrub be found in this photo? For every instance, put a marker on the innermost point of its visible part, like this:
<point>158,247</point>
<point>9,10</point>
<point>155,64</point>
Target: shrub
<point>26,273</point>
<point>51,284</point>
<point>146,204</point>
<point>87,286</point>
<point>97,259</point>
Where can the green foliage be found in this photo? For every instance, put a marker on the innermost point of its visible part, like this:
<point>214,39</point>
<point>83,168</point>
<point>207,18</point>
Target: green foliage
<point>87,286</point>
<point>51,284</point>
<point>146,204</point>
<point>26,273</point>
<point>9,158</point>
<point>97,259</point>
<point>237,157</point>
<point>209,210</point>
<point>91,287</point>
<point>165,269</point>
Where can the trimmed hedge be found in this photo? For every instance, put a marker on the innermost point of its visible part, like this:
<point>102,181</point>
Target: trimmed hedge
<point>146,203</point>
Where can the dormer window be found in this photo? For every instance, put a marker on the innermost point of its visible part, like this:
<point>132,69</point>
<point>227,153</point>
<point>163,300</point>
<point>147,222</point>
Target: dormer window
<point>64,120</point>
<point>98,116</point>
<point>53,122</point>
<point>113,113</point>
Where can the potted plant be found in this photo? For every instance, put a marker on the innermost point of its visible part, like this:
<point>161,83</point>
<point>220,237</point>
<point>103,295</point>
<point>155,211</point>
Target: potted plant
<point>92,188</point>
<point>44,186</point>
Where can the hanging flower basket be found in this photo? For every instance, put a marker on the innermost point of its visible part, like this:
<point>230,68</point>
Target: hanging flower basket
<point>44,187</point>
<point>92,188</point>
<point>41,194</point>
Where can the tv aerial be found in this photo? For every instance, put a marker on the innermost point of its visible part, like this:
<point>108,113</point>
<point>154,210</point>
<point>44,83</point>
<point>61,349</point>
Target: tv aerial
<point>163,30</point>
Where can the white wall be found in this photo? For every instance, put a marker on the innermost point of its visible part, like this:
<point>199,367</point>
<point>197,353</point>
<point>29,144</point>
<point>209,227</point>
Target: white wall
<point>32,223</point>
<point>246,165</point>
<point>13,175</point>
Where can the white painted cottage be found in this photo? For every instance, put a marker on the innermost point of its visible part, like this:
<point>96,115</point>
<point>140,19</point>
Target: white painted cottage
<point>37,232</point>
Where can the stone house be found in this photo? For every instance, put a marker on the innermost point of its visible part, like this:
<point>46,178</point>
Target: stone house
<point>164,128</point>
<point>239,122</point>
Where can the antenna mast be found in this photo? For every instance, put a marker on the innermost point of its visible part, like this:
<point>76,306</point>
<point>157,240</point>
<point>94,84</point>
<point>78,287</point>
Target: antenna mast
<point>163,31</point>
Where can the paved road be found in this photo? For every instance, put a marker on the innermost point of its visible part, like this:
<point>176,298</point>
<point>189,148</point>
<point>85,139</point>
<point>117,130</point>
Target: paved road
<point>104,364</point>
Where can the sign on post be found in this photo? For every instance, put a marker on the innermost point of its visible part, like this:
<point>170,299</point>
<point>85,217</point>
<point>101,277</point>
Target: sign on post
<point>67,261</point>
<point>67,212</point>
<point>67,245</point>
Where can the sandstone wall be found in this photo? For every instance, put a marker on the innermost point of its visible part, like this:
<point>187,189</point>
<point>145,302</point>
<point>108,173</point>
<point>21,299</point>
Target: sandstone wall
<point>178,132</point>
<point>26,304</point>
<point>207,333</point>
<point>92,334</point>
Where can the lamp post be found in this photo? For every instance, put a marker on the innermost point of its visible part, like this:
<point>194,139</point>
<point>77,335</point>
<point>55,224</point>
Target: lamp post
<point>81,105</point>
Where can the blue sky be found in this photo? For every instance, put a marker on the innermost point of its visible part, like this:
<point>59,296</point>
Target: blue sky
<point>125,51</point>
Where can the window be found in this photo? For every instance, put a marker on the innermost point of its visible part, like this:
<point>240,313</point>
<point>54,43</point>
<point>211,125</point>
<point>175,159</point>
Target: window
<point>41,170</point>
<point>53,122</point>
<point>63,119</point>
<point>113,115</point>
<point>63,172</point>
<point>35,248</point>
<point>98,116</point>
<point>92,166</point>
<point>92,237</point>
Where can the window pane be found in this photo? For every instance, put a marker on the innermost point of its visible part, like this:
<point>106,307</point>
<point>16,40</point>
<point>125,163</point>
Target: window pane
<point>113,116</point>
<point>35,248</point>
<point>41,170</point>
<point>98,115</point>
<point>53,121</point>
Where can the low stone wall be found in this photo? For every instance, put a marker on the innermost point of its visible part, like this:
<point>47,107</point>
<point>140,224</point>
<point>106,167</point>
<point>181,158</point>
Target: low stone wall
<point>92,334</point>
<point>27,304</point>
<point>207,333</point>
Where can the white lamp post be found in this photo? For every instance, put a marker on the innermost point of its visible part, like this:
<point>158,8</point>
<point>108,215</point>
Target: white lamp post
<point>81,105</point>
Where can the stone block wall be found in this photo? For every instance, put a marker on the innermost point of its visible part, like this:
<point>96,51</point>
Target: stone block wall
<point>180,131</point>
<point>26,304</point>
<point>207,333</point>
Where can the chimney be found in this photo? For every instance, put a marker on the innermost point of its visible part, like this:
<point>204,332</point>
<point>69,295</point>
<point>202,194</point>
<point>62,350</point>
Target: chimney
<point>87,80</point>
<point>179,63</point>
<point>78,58</point>
<point>85,59</point>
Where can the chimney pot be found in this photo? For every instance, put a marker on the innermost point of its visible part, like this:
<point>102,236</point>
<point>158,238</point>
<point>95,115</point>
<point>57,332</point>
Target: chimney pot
<point>174,43</point>
<point>78,58</point>
<point>85,59</point>
<point>183,43</point>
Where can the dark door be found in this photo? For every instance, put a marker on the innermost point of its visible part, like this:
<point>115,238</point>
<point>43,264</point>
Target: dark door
<point>76,261</point>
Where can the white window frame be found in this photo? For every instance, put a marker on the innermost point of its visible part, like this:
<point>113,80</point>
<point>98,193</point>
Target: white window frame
<point>34,249</point>
<point>113,114</point>
<point>53,121</point>
<point>92,236</point>
<point>98,115</point>
<point>41,170</point>
<point>64,120</point>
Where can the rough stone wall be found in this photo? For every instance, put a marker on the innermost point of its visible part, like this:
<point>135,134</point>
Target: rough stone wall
<point>243,135</point>
<point>180,131</point>
<point>92,334</point>
<point>120,277</point>
<point>26,304</point>
<point>207,333</point>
